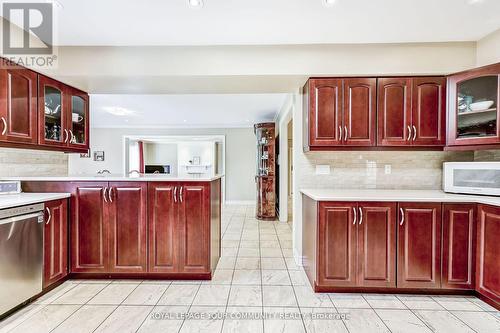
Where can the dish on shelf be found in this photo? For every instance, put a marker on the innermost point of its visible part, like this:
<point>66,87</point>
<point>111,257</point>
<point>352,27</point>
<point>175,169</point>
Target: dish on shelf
<point>480,106</point>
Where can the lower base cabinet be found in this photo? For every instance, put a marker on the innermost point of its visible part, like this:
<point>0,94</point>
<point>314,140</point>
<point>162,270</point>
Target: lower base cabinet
<point>55,235</point>
<point>488,250</point>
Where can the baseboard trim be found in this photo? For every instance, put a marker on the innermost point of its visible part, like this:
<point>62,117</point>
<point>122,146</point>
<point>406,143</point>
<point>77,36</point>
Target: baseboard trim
<point>240,202</point>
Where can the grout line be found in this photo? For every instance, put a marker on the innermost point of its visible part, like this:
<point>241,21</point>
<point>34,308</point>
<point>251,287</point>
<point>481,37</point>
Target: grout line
<point>371,307</point>
<point>154,306</point>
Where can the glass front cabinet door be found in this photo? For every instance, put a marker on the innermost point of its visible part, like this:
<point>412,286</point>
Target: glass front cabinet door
<point>52,113</point>
<point>78,118</point>
<point>474,113</point>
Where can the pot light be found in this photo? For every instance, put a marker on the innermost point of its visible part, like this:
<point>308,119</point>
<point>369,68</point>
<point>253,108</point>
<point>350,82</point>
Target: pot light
<point>329,3</point>
<point>195,3</point>
<point>474,2</point>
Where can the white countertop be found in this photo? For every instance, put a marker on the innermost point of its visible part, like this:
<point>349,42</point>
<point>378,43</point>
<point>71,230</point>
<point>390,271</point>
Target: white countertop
<point>396,196</point>
<point>22,199</point>
<point>115,177</point>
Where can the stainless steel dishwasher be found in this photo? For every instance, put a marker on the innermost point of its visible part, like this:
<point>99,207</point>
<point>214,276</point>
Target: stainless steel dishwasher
<point>21,254</point>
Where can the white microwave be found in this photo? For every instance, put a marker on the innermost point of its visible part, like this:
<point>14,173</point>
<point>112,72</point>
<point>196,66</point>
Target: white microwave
<point>472,178</point>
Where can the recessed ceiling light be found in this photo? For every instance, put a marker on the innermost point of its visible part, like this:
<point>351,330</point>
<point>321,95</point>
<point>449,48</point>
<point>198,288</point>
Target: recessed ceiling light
<point>475,2</point>
<point>329,3</point>
<point>185,120</point>
<point>196,3</point>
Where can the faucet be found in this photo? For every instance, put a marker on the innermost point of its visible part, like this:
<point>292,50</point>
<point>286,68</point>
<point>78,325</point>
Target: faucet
<point>133,171</point>
<point>101,172</point>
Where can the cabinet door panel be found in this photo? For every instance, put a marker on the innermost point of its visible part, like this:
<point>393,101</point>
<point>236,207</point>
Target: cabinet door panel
<point>194,224</point>
<point>360,96</point>
<point>163,234</point>
<point>419,245</point>
<point>325,112</point>
<point>52,118</point>
<point>458,246</point>
<point>89,232</point>
<point>488,264</point>
<point>377,245</point>
<point>55,242</point>
<point>429,111</point>
<point>337,245</point>
<point>394,111</point>
<point>18,105</point>
<point>127,226</point>
<point>78,118</point>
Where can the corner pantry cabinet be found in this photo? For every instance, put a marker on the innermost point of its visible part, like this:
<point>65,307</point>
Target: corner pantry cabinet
<point>473,110</point>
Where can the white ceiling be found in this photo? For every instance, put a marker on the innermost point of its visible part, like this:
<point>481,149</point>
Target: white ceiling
<point>230,22</point>
<point>224,110</point>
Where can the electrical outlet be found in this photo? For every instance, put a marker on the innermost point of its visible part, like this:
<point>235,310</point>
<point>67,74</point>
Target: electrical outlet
<point>388,169</point>
<point>323,169</point>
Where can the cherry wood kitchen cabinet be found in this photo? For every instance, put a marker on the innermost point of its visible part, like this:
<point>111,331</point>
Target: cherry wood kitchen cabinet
<point>339,112</point>
<point>89,227</point>
<point>180,227</point>
<point>78,119</point>
<point>127,222</point>
<point>55,236</point>
<point>488,248</point>
<point>419,245</point>
<point>473,110</point>
<point>459,244</point>
<point>376,244</point>
<point>412,112</point>
<point>356,245</point>
<point>18,105</point>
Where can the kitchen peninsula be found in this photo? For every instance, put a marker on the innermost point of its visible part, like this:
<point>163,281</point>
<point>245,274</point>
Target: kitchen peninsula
<point>141,226</point>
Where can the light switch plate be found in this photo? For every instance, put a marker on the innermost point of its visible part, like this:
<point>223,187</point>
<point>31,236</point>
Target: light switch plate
<point>322,169</point>
<point>388,169</point>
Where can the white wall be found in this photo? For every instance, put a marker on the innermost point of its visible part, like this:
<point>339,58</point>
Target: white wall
<point>188,150</point>
<point>240,155</point>
<point>488,49</point>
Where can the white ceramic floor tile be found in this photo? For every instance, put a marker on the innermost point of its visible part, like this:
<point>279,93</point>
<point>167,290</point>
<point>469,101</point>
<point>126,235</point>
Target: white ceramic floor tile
<point>298,278</point>
<point>235,324</point>
<point>285,320</point>
<point>273,263</point>
<point>483,305</point>
<point>125,319</point>
<point>212,295</point>
<point>248,253</point>
<point>46,319</point>
<point>275,278</point>
<point>246,277</point>
<point>269,252</point>
<point>291,264</point>
<point>113,294</point>
<point>402,321</point>
<point>323,320</point>
<point>19,316</point>
<point>479,321</point>
<point>278,296</point>
<point>55,293</point>
<point>86,319</point>
<point>349,301</point>
<point>164,319</point>
<point>221,276</point>
<point>248,244</point>
<point>442,321</point>
<point>420,302</point>
<point>211,325</point>
<point>226,263</point>
<point>245,296</point>
<point>458,305</point>
<point>145,294</point>
<point>179,295</point>
<point>81,294</point>
<point>247,263</point>
<point>384,302</point>
<point>308,298</point>
<point>363,320</point>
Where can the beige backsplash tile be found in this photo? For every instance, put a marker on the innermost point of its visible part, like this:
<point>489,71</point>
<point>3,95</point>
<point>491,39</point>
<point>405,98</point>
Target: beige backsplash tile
<point>23,162</point>
<point>365,170</point>
<point>487,155</point>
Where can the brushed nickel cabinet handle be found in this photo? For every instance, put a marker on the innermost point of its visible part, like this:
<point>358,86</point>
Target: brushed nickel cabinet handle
<point>105,194</point>
<point>355,217</point>
<point>72,136</point>
<point>48,214</point>
<point>180,193</point>
<point>4,126</point>
<point>340,133</point>
<point>110,194</point>
<point>409,133</point>
<point>402,216</point>
<point>346,133</point>
<point>414,132</point>
<point>360,215</point>
<point>66,135</point>
<point>175,194</point>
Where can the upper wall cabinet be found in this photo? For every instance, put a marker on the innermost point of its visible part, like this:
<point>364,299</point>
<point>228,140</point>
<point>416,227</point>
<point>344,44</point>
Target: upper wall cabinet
<point>18,100</point>
<point>411,112</point>
<point>63,116</point>
<point>473,112</point>
<point>339,112</point>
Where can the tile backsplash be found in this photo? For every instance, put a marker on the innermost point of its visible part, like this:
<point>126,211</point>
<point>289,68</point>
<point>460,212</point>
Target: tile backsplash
<point>409,169</point>
<point>487,155</point>
<point>22,162</point>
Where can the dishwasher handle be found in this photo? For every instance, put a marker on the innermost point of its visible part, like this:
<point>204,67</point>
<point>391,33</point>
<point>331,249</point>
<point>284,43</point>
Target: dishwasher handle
<point>18,218</point>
